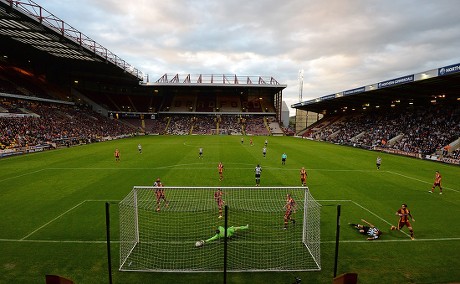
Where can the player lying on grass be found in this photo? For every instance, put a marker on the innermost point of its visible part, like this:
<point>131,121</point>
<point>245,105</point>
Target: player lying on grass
<point>220,233</point>
<point>370,230</point>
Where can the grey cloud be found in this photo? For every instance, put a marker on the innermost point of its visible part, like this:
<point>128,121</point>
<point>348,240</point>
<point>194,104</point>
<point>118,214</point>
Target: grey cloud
<point>340,44</point>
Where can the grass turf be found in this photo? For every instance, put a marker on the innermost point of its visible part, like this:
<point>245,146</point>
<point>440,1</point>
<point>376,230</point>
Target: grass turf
<point>53,207</point>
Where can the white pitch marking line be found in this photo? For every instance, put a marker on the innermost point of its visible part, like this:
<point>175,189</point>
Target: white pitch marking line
<point>323,242</point>
<point>391,241</point>
<point>49,222</point>
<point>89,200</point>
<point>395,173</point>
<point>29,173</point>
<point>55,241</point>
<point>362,207</point>
<point>359,205</point>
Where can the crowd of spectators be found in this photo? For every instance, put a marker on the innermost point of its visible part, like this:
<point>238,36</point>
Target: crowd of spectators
<point>424,130</point>
<point>204,124</point>
<point>180,125</point>
<point>41,123</point>
<point>185,124</point>
<point>454,154</point>
<point>231,124</point>
<point>156,126</point>
<point>254,125</point>
<point>26,123</point>
<point>33,121</point>
<point>288,131</point>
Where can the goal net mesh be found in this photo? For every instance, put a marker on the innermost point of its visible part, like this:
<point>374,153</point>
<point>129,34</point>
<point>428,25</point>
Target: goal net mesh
<point>164,240</point>
<point>220,131</point>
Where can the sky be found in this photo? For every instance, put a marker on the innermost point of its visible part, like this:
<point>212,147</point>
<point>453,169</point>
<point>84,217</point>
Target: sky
<point>339,44</point>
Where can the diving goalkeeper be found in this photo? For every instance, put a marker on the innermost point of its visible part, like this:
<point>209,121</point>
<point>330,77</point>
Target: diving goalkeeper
<point>220,233</point>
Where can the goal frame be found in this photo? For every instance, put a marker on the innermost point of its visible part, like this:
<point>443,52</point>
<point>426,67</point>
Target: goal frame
<point>220,131</point>
<point>307,237</point>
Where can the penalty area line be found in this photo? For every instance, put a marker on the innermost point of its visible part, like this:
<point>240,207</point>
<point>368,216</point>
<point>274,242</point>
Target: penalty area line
<point>52,220</point>
<point>357,204</point>
<point>364,208</point>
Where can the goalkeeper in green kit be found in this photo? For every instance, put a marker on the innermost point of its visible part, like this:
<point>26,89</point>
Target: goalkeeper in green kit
<point>220,233</point>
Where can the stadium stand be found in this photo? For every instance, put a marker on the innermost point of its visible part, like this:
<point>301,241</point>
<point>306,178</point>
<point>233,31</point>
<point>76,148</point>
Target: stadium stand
<point>255,125</point>
<point>63,119</point>
<point>206,103</point>
<point>204,124</point>
<point>180,125</point>
<point>416,130</point>
<point>50,125</point>
<point>75,95</point>
<point>230,124</point>
<point>183,104</point>
<point>229,103</point>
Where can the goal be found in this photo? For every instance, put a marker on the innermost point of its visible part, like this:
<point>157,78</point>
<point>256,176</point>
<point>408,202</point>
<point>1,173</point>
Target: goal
<point>220,131</point>
<point>166,240</point>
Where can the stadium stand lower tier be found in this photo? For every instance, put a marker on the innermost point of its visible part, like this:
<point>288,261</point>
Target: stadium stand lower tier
<point>421,130</point>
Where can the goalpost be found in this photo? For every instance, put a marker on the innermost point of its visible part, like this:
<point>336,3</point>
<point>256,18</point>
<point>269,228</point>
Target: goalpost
<point>220,131</point>
<point>164,240</point>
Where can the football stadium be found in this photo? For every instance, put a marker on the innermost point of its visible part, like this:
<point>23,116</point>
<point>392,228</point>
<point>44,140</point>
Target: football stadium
<point>106,177</point>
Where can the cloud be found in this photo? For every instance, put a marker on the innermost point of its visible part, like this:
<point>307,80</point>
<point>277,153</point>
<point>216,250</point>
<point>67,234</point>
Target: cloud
<point>339,44</point>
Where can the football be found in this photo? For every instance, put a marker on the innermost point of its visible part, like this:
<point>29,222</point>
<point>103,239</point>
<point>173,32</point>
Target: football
<point>392,228</point>
<point>199,244</point>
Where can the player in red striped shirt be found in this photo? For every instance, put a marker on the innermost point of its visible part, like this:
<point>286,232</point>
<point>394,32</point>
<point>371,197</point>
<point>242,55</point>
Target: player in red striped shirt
<point>290,207</point>
<point>220,167</point>
<point>117,155</point>
<point>160,194</point>
<point>404,215</point>
<point>220,202</point>
<point>303,176</point>
<point>437,183</point>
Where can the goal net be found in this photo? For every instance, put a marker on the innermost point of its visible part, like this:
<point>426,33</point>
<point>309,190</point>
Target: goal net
<point>220,131</point>
<point>166,240</point>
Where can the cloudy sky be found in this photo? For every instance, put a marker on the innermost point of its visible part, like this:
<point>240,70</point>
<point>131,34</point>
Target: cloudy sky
<point>339,44</point>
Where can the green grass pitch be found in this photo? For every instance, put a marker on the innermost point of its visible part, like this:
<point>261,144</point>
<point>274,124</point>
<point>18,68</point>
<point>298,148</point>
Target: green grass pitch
<point>52,207</point>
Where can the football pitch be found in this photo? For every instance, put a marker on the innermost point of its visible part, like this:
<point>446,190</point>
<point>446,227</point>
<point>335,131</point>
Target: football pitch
<point>52,207</point>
